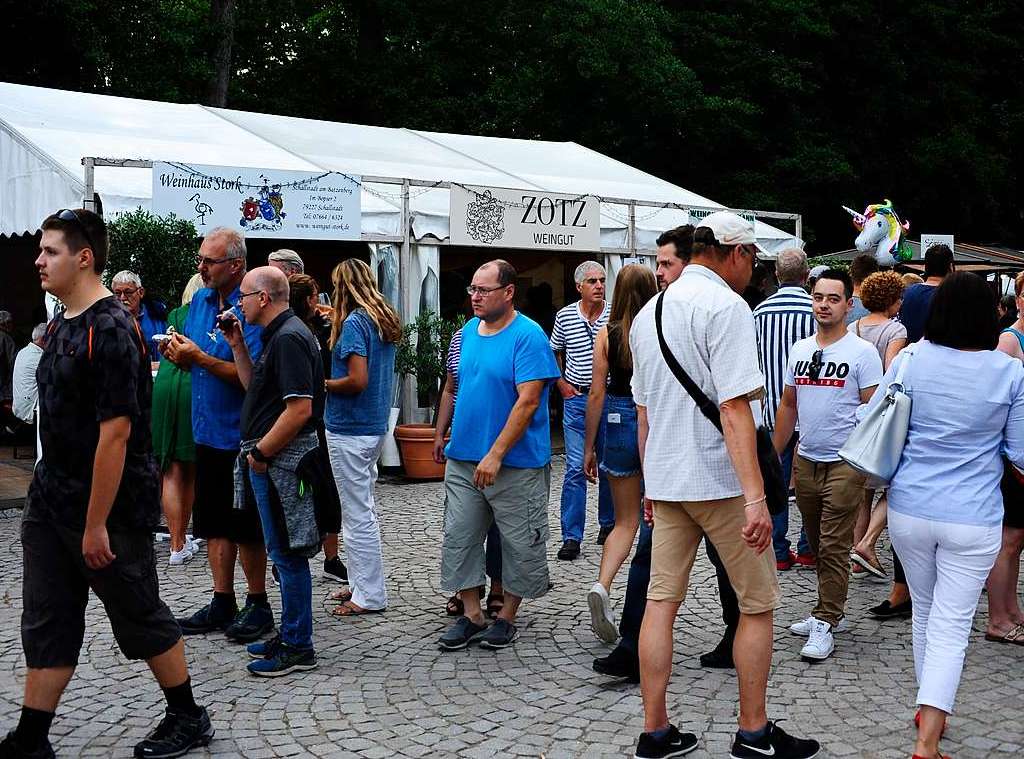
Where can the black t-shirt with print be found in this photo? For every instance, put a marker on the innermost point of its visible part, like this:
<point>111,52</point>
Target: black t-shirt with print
<point>94,368</point>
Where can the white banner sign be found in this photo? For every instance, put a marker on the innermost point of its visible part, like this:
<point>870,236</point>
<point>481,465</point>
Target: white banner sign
<point>494,217</point>
<point>928,240</point>
<point>260,202</point>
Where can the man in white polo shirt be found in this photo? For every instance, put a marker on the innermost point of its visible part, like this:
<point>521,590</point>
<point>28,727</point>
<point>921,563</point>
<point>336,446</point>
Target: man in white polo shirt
<point>572,340</point>
<point>828,375</point>
<point>701,481</point>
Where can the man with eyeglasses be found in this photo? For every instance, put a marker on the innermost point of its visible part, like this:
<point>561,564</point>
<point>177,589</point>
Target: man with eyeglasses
<point>828,375</point>
<point>284,399</point>
<point>704,481</point>
<point>217,397</point>
<point>93,503</point>
<point>572,340</point>
<point>127,287</point>
<point>499,460</point>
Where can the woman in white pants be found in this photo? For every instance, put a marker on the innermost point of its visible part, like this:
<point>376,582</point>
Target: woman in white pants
<point>945,505</point>
<point>364,331</point>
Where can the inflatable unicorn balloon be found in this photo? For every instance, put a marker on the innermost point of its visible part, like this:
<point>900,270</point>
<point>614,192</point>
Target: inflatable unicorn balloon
<point>882,230</point>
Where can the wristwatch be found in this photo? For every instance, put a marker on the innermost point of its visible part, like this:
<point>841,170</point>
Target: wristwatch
<point>259,456</point>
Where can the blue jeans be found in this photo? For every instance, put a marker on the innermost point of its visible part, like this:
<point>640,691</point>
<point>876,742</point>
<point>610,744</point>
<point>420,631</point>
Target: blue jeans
<point>780,521</point>
<point>296,584</point>
<point>574,486</point>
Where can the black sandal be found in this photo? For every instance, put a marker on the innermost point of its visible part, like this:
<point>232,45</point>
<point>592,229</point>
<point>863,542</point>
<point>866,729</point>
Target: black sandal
<point>455,607</point>
<point>495,603</point>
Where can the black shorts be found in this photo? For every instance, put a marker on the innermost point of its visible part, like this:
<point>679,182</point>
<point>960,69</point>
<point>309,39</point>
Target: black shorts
<point>214,514</point>
<point>55,589</point>
<point>1013,497</point>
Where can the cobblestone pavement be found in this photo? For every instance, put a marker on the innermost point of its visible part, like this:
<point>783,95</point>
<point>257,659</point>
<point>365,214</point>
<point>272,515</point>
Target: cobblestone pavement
<point>383,688</point>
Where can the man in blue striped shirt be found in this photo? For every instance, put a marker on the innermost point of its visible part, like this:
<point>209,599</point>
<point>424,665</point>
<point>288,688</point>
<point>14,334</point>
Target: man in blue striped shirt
<point>781,320</point>
<point>572,340</point>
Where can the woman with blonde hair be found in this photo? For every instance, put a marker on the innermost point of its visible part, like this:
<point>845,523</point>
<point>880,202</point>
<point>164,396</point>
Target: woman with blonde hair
<point>620,462</point>
<point>173,446</point>
<point>364,331</point>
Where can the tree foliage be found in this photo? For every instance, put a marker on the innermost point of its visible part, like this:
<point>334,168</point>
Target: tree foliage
<point>160,249</point>
<point>796,105</point>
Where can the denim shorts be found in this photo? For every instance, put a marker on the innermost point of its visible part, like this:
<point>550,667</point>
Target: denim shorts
<point>621,451</point>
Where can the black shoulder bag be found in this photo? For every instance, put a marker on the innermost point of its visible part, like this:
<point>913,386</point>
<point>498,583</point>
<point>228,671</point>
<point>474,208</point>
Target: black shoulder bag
<point>775,490</point>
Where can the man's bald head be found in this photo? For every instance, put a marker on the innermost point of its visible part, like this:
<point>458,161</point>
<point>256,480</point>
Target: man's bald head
<point>270,280</point>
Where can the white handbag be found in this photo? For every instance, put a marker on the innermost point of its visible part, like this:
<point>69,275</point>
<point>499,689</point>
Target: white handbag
<point>876,444</point>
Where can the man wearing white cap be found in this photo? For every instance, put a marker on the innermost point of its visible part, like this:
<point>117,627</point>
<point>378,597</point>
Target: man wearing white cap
<point>700,480</point>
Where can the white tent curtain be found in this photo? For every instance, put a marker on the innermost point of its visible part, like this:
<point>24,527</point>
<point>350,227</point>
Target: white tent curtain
<point>613,263</point>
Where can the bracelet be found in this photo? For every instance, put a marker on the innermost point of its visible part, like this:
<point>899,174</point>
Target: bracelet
<point>762,499</point>
<point>258,455</point>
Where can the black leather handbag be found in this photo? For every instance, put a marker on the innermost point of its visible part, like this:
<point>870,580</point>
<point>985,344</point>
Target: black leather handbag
<point>775,489</point>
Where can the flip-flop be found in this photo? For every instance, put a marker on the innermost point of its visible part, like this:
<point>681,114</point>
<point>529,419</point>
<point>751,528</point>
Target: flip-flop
<point>1015,636</point>
<point>858,558</point>
<point>344,595</point>
<point>454,607</point>
<point>349,609</point>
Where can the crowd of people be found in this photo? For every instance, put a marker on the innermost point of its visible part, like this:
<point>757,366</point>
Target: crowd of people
<point>269,409</point>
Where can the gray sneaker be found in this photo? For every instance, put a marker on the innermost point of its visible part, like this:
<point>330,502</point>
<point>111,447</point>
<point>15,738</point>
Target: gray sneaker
<point>501,634</point>
<point>461,634</point>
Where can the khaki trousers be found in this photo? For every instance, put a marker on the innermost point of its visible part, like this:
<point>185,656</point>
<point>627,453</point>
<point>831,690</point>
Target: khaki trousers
<point>828,495</point>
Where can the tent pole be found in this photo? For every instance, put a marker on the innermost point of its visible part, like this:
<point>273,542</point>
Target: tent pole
<point>408,393</point>
<point>799,227</point>
<point>89,199</point>
<point>631,243</point>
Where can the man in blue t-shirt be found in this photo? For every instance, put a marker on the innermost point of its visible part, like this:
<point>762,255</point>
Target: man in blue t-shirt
<point>498,459</point>
<point>917,299</point>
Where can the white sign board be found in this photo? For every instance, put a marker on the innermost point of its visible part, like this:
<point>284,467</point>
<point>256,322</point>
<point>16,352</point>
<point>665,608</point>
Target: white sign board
<point>928,240</point>
<point>260,202</point>
<point>500,218</point>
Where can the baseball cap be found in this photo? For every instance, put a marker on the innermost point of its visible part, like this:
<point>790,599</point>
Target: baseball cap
<point>731,229</point>
<point>818,270</point>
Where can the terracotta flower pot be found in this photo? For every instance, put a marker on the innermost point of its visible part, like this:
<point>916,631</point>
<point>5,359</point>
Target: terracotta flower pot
<point>416,446</point>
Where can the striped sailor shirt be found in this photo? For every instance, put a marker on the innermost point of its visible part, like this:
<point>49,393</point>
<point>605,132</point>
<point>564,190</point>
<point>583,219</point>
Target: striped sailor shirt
<point>780,320</point>
<point>574,336</point>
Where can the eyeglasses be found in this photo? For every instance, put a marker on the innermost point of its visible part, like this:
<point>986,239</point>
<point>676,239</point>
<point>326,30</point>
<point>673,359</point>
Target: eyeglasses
<point>474,290</point>
<point>66,214</point>
<point>242,296</point>
<point>814,369</point>
<point>125,293</point>
<point>210,261</point>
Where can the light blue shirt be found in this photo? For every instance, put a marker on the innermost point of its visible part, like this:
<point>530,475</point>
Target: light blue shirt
<point>365,412</point>
<point>968,410</point>
<point>490,367</point>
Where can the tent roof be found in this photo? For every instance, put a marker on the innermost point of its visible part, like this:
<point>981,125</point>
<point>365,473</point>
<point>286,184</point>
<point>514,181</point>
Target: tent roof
<point>44,134</point>
<point>969,257</point>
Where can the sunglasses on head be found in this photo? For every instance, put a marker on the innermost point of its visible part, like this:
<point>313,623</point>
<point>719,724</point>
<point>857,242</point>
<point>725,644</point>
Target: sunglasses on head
<point>67,214</point>
<point>814,370</point>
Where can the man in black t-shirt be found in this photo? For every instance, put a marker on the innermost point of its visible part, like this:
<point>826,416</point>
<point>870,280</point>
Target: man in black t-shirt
<point>94,500</point>
<point>284,396</point>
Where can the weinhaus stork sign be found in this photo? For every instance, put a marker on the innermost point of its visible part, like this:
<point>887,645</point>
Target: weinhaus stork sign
<point>260,202</point>
<point>494,217</point>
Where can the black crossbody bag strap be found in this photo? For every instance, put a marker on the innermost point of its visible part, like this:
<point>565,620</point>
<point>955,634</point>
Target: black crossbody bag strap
<point>709,409</point>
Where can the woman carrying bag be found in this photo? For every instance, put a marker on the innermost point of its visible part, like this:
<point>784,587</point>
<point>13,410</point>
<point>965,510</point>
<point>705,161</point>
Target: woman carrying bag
<point>945,506</point>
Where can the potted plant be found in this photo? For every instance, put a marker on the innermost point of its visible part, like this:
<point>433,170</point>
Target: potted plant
<point>422,353</point>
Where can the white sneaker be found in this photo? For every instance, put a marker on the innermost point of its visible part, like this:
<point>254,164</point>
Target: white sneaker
<point>803,629</point>
<point>180,557</point>
<point>820,643</point>
<point>602,621</point>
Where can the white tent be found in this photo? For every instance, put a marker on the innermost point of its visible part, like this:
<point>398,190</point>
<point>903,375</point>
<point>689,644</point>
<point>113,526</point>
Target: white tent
<point>45,133</point>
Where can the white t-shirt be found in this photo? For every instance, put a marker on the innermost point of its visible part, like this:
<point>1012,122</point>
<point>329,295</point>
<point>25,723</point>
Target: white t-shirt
<point>827,407</point>
<point>710,330</point>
